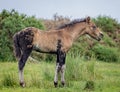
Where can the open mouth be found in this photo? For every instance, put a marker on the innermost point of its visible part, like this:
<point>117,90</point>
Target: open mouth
<point>100,37</point>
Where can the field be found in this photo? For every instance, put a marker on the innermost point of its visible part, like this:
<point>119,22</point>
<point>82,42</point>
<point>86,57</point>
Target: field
<point>81,76</point>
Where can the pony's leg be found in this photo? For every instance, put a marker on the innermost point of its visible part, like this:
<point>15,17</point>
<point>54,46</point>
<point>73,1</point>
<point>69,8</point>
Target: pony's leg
<point>60,67</point>
<point>21,65</point>
<point>56,75</point>
<point>62,74</point>
<point>57,70</point>
<point>62,64</point>
<point>21,79</point>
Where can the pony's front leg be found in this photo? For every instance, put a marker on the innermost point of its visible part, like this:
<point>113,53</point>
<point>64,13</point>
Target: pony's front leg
<point>60,67</point>
<point>62,74</point>
<point>62,64</point>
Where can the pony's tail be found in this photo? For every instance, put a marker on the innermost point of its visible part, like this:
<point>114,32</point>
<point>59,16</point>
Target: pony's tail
<point>17,49</point>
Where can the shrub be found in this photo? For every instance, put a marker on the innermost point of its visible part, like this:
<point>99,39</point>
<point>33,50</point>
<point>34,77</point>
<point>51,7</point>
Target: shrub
<point>107,54</point>
<point>107,23</point>
<point>108,41</point>
<point>10,23</point>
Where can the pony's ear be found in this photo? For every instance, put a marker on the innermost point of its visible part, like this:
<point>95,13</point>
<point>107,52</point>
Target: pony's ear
<point>88,19</point>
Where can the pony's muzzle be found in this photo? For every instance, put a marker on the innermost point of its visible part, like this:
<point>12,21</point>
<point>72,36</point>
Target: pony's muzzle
<point>100,36</point>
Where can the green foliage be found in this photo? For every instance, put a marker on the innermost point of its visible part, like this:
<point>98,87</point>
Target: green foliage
<point>107,24</point>
<point>108,41</point>
<point>10,23</point>
<point>79,48</point>
<point>111,28</point>
<point>107,54</point>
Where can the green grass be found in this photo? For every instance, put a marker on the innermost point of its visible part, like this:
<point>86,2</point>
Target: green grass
<point>87,76</point>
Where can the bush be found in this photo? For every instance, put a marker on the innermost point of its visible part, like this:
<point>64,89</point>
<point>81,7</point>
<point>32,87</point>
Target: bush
<point>107,23</point>
<point>107,54</point>
<point>10,23</point>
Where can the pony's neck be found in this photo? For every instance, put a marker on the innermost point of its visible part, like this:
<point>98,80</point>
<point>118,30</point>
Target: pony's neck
<point>77,31</point>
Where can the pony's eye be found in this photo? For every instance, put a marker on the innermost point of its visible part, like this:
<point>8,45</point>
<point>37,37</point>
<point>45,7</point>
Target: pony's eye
<point>94,27</point>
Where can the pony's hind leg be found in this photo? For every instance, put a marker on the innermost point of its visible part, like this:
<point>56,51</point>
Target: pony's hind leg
<point>21,65</point>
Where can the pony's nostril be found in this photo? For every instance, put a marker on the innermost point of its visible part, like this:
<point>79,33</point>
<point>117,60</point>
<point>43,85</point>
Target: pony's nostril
<point>101,35</point>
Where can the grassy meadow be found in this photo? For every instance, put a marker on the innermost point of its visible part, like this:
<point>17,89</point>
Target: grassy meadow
<point>81,76</point>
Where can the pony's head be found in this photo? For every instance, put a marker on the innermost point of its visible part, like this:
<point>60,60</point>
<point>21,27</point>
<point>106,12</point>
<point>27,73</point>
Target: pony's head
<point>92,30</point>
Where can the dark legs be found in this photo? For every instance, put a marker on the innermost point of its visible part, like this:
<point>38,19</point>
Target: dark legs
<point>60,67</point>
<point>21,65</point>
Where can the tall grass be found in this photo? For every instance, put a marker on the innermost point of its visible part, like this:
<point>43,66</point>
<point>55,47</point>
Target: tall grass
<point>89,75</point>
<point>9,80</point>
<point>48,73</point>
<point>107,54</point>
<point>78,70</point>
<point>35,81</point>
<point>43,78</point>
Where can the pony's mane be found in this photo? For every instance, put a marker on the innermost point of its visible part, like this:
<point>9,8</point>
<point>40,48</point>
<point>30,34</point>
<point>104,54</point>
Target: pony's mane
<point>71,23</point>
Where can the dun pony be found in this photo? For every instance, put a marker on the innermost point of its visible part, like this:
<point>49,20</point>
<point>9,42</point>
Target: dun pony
<point>57,42</point>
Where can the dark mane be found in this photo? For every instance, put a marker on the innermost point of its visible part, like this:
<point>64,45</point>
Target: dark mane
<point>71,23</point>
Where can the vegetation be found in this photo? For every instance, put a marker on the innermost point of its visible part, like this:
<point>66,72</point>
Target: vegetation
<point>107,24</point>
<point>110,26</point>
<point>12,22</point>
<point>108,54</point>
<point>84,71</point>
<point>86,76</point>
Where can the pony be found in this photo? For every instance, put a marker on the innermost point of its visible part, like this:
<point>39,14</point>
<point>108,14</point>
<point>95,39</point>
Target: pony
<point>57,41</point>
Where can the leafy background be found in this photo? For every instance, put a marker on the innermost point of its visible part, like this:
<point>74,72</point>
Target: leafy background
<point>107,50</point>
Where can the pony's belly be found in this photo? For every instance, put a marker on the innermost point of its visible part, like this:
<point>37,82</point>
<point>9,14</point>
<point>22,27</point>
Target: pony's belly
<point>44,49</point>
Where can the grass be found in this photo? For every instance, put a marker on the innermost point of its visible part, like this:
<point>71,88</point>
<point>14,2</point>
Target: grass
<point>93,76</point>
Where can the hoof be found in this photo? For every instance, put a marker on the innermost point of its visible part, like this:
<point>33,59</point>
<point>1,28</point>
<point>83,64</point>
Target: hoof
<point>22,84</point>
<point>55,84</point>
<point>63,83</point>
